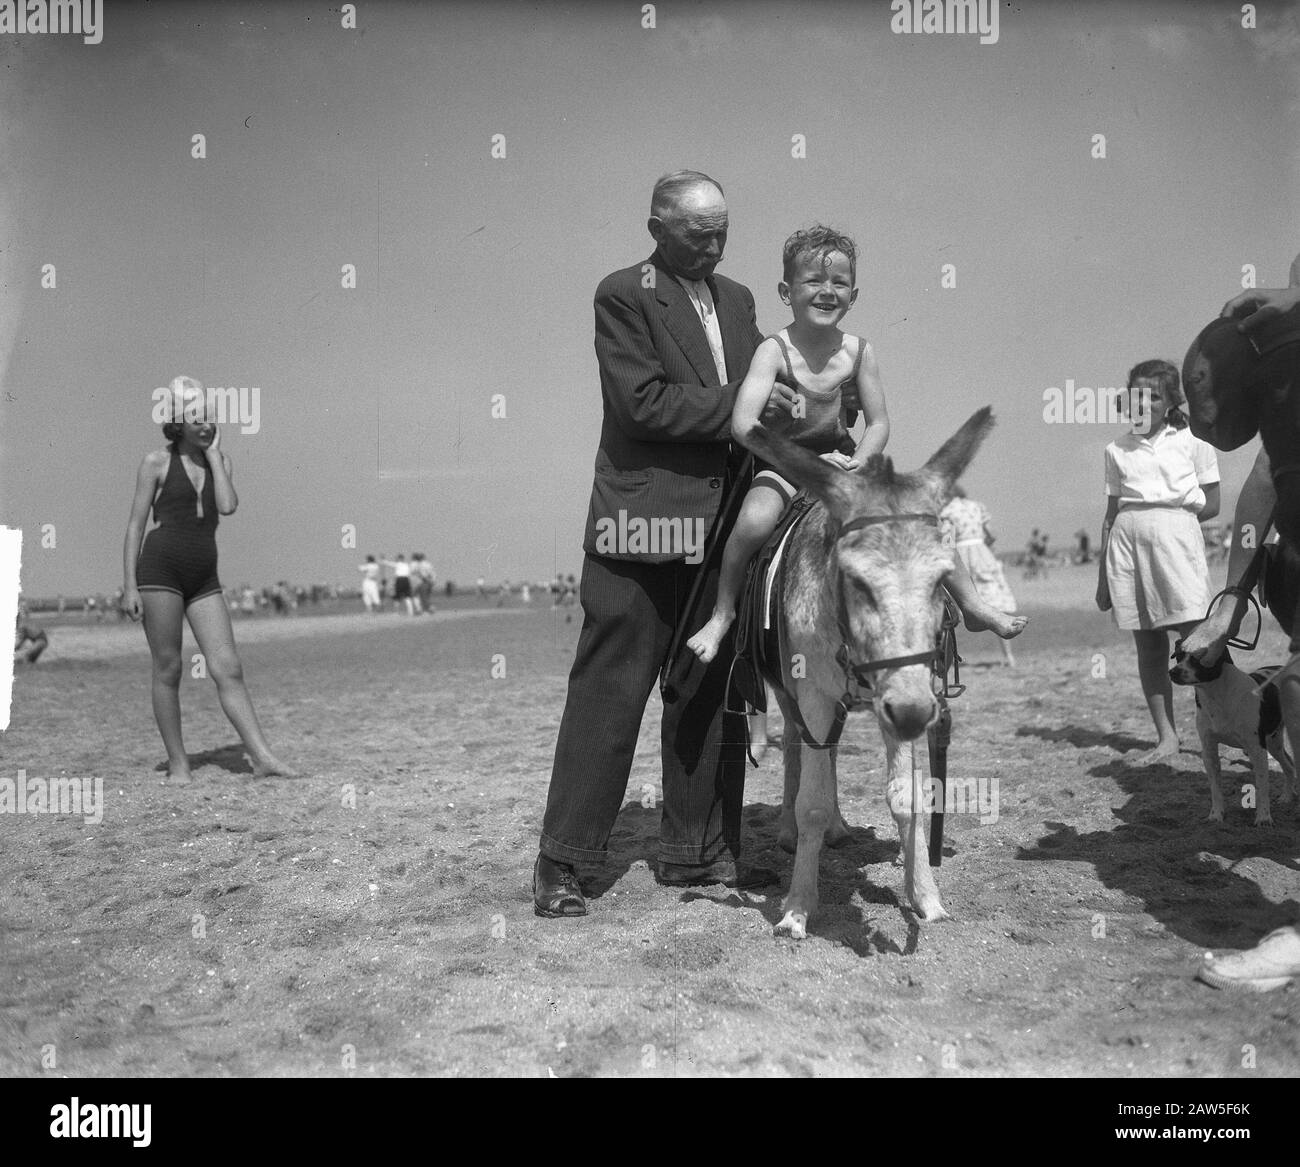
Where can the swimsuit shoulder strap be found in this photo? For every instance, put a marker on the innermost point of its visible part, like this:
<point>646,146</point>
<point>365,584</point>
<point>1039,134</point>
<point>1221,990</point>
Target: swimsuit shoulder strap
<point>857,362</point>
<point>165,482</point>
<point>785,352</point>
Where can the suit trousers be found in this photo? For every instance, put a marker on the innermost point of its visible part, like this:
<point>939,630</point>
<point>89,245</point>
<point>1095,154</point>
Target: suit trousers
<point>630,611</point>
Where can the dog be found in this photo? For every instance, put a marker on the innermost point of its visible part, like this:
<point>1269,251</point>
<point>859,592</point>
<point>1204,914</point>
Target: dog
<point>1242,711</point>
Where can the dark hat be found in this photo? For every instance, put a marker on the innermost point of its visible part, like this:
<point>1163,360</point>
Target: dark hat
<point>1229,376</point>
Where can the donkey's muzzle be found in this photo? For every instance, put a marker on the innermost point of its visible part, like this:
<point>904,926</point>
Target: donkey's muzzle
<point>908,717</point>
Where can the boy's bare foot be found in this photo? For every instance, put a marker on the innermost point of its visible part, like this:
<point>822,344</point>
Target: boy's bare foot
<point>178,776</point>
<point>706,642</point>
<point>269,766</point>
<point>1005,624</point>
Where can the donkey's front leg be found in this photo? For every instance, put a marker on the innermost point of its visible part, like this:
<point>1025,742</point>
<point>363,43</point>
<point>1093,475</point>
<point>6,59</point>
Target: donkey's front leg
<point>813,810</point>
<point>837,833</point>
<point>906,793</point>
<point>791,750</point>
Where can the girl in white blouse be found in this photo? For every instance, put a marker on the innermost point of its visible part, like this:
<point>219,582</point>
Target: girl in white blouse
<point>1161,483</point>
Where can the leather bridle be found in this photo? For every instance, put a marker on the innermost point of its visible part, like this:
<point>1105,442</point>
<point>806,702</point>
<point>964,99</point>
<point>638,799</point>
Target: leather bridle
<point>858,676</point>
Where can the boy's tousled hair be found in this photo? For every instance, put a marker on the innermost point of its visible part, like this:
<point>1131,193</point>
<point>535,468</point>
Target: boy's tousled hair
<point>817,242</point>
<point>1166,377</point>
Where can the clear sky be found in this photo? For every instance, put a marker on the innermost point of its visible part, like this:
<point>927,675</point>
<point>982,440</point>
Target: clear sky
<point>327,146</point>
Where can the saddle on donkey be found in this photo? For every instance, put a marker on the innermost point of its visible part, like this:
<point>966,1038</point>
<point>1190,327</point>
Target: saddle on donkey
<point>758,651</point>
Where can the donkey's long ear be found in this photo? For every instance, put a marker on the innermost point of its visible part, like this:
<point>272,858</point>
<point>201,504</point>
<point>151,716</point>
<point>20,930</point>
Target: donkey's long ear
<point>950,461</point>
<point>833,486</point>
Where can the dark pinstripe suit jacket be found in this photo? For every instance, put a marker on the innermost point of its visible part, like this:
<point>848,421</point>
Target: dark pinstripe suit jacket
<point>665,436</point>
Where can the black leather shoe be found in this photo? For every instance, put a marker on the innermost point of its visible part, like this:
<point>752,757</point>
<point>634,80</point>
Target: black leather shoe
<point>556,891</point>
<point>723,871</point>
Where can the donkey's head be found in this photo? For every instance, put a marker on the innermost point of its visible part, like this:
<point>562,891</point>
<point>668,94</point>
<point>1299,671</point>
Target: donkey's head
<point>881,592</point>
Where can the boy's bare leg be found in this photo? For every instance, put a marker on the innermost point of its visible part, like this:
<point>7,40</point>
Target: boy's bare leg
<point>980,616</point>
<point>759,515</point>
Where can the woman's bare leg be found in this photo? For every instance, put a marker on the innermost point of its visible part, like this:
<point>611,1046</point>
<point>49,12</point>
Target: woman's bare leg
<point>163,616</point>
<point>211,623</point>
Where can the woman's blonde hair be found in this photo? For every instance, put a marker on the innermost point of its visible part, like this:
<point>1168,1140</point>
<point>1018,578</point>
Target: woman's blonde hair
<point>181,388</point>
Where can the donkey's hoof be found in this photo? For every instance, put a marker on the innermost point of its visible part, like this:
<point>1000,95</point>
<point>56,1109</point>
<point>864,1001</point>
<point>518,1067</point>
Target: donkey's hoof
<point>794,925</point>
<point>787,839</point>
<point>838,834</point>
<point>931,913</point>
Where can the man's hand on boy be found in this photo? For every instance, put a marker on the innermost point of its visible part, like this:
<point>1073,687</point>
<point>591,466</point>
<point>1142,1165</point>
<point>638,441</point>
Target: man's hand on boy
<point>780,402</point>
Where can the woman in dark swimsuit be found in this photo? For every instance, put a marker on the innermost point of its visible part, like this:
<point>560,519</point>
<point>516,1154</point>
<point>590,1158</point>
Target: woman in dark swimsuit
<point>174,575</point>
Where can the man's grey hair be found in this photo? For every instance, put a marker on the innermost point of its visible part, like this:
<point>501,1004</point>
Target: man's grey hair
<point>669,189</point>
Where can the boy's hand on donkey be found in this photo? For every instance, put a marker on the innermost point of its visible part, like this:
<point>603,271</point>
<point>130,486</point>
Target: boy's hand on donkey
<point>843,461</point>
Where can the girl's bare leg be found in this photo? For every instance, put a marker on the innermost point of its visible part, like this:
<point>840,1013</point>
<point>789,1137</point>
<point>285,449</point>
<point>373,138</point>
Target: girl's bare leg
<point>1008,657</point>
<point>978,615</point>
<point>1157,688</point>
<point>163,616</point>
<point>759,514</point>
<point>211,623</point>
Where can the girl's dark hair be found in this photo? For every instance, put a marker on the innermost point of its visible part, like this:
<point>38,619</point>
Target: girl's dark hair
<point>173,432</point>
<point>1166,377</point>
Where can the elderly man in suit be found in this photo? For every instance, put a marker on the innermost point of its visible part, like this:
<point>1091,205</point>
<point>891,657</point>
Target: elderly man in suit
<point>673,342</point>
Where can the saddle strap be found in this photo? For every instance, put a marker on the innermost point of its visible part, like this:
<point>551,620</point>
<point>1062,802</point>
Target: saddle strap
<point>837,725</point>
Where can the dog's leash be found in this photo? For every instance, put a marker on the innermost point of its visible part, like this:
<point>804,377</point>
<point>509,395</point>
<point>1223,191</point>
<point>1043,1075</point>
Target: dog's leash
<point>1245,587</point>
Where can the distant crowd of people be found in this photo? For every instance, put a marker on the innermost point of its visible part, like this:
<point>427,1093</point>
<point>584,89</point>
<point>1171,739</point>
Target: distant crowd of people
<point>412,583</point>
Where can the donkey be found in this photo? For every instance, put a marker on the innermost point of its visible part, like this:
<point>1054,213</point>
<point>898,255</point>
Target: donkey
<point>860,596</point>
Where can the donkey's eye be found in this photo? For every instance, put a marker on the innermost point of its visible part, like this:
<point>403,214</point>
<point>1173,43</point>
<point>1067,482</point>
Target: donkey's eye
<point>864,589</point>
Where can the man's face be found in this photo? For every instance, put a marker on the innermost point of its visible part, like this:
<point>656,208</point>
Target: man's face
<point>692,235</point>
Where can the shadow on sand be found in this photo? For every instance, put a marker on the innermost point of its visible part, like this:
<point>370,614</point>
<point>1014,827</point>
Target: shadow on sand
<point>840,917</point>
<point>232,759</point>
<point>1164,852</point>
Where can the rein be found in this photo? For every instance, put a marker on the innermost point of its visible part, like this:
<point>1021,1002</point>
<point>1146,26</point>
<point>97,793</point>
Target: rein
<point>859,690</point>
